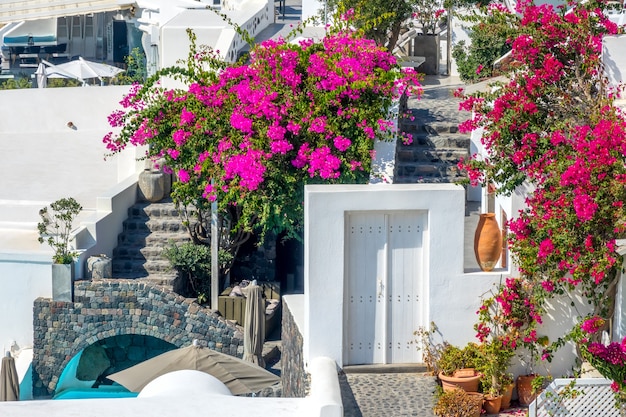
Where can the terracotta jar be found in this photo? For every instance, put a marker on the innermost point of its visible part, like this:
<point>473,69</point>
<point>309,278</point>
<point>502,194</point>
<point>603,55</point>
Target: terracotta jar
<point>487,242</point>
<point>506,397</point>
<point>525,390</point>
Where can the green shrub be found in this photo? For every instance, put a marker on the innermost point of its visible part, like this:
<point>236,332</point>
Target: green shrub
<point>193,262</point>
<point>490,34</point>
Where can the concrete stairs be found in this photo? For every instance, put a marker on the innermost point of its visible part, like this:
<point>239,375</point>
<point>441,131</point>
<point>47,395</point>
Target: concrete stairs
<point>437,145</point>
<point>149,228</point>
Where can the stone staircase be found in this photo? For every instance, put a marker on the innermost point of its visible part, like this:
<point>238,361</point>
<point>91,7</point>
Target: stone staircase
<point>437,144</point>
<point>149,228</point>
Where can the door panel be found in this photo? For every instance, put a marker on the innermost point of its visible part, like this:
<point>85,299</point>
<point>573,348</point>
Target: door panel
<point>366,238</point>
<point>384,263</point>
<point>405,279</point>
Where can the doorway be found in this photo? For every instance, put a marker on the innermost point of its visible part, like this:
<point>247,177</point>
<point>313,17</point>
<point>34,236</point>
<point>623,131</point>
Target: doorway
<point>384,286</point>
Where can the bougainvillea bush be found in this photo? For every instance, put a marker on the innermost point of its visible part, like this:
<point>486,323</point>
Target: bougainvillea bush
<point>554,128</point>
<point>609,359</point>
<point>251,135</point>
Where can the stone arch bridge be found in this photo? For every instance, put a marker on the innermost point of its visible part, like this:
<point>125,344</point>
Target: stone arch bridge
<point>112,308</point>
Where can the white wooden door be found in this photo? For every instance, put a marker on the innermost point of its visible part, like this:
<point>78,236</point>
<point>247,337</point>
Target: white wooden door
<point>384,277</point>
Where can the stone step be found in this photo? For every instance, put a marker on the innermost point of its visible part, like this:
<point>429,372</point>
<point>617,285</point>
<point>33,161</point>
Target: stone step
<point>159,239</point>
<point>138,252</point>
<point>420,127</point>
<point>127,267</point>
<point>458,141</point>
<point>166,280</point>
<point>161,209</point>
<point>430,155</point>
<point>431,172</point>
<point>150,224</point>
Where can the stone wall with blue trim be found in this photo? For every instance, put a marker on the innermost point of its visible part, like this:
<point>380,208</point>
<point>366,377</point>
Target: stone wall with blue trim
<point>107,308</point>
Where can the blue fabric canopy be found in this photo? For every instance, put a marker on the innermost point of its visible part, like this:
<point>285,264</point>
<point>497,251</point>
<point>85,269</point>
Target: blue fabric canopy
<point>26,40</point>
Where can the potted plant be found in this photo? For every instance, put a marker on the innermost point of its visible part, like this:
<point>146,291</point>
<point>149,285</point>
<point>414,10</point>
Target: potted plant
<point>55,229</point>
<point>430,16</point>
<point>457,367</point>
<point>493,365</point>
<point>458,403</point>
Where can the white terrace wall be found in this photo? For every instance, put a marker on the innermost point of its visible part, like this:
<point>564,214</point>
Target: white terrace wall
<point>450,296</point>
<point>447,292</point>
<point>44,160</point>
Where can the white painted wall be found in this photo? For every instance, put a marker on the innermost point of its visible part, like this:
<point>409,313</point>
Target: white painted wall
<point>213,31</point>
<point>186,392</point>
<point>453,297</point>
<point>44,160</point>
<point>325,211</point>
<point>22,281</point>
<point>311,8</point>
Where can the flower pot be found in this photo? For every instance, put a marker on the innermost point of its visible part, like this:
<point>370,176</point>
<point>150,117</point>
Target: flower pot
<point>506,397</point>
<point>151,185</point>
<point>63,282</point>
<point>479,400</point>
<point>492,404</point>
<point>525,390</point>
<point>467,383</point>
<point>487,242</point>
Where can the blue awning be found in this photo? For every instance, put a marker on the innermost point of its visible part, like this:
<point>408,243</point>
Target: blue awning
<point>25,40</point>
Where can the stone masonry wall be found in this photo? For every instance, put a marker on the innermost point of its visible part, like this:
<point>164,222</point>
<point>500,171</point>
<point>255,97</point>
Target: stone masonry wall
<point>107,308</point>
<point>295,380</point>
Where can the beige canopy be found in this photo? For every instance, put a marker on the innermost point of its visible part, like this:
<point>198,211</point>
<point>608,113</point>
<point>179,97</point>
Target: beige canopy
<point>239,376</point>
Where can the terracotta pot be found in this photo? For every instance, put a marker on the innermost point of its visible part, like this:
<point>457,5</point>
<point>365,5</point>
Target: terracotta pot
<point>466,383</point>
<point>487,242</point>
<point>464,372</point>
<point>506,397</point>
<point>525,390</point>
<point>492,404</point>
<point>479,403</point>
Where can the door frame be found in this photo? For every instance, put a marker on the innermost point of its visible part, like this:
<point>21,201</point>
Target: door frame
<point>383,284</point>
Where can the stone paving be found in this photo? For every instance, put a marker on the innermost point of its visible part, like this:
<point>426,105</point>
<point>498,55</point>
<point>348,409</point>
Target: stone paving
<point>387,394</point>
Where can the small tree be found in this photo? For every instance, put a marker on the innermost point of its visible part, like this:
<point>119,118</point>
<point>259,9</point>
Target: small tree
<point>56,226</point>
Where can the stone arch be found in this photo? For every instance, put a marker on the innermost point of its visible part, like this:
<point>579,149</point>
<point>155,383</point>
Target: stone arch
<point>109,308</point>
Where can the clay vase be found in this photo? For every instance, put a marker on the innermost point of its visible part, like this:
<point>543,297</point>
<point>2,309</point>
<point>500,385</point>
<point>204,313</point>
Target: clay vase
<point>151,185</point>
<point>487,242</point>
<point>506,397</point>
<point>525,390</point>
<point>492,404</point>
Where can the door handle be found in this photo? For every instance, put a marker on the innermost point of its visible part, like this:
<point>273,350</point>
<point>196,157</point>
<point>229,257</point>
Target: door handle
<point>381,287</point>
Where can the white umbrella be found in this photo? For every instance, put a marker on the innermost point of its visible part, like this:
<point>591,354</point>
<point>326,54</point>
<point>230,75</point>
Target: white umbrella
<point>42,77</point>
<point>83,69</point>
<point>53,71</point>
